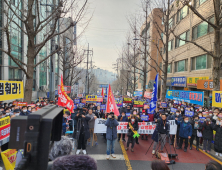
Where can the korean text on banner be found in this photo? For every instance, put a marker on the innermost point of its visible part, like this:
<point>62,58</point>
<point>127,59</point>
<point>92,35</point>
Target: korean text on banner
<point>144,127</point>
<point>194,97</point>
<point>91,98</point>
<point>189,113</point>
<point>119,102</point>
<point>216,99</point>
<point>9,158</point>
<point>154,95</point>
<point>11,90</point>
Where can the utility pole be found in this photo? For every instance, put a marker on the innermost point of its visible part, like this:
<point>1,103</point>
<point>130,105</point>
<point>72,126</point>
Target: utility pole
<point>87,71</point>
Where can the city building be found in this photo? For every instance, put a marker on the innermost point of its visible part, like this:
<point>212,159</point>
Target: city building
<point>187,62</point>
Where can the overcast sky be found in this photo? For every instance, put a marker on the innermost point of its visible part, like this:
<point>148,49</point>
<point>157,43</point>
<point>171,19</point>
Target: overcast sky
<point>108,28</point>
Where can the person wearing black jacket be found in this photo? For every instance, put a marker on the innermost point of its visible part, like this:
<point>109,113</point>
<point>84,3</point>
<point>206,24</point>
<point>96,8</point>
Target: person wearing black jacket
<point>196,126</point>
<point>134,123</point>
<point>208,126</point>
<point>122,118</point>
<point>160,133</point>
<point>218,138</point>
<point>82,132</point>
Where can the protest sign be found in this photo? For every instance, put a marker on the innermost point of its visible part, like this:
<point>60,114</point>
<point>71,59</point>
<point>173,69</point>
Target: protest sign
<point>127,100</point>
<point>11,90</point>
<point>98,104</point>
<point>144,117</point>
<point>128,114</point>
<point>119,102</point>
<point>138,103</point>
<point>9,158</point>
<point>99,98</point>
<point>173,110</point>
<point>83,101</point>
<point>144,127</point>
<point>81,105</point>
<point>201,119</point>
<point>77,101</point>
<point>164,105</point>
<point>32,105</point>
<point>20,104</point>
<point>189,113</point>
<point>146,106</point>
<point>75,107</point>
<point>91,98</point>
<point>103,107</point>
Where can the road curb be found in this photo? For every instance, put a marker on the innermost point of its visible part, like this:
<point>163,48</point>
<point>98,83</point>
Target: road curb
<point>127,161</point>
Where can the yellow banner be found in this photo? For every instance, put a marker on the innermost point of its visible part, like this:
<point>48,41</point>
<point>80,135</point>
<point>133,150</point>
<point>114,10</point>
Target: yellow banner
<point>4,121</point>
<point>91,98</point>
<point>216,99</point>
<point>139,102</point>
<point>9,158</point>
<point>192,81</point>
<point>11,90</point>
<point>127,99</point>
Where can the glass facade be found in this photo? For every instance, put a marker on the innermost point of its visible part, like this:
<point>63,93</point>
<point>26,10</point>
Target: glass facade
<point>181,65</point>
<point>184,36</point>
<point>16,39</point>
<point>201,62</point>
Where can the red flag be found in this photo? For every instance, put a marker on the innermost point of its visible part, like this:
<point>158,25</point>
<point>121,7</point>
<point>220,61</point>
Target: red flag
<point>102,93</point>
<point>111,104</point>
<point>64,99</point>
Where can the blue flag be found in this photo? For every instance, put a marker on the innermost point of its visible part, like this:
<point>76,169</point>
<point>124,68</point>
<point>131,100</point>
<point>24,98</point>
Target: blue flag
<point>154,95</point>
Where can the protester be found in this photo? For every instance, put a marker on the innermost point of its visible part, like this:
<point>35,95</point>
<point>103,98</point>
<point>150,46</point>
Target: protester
<point>159,165</point>
<point>75,162</point>
<point>196,128</point>
<point>185,132</point>
<point>132,126</point>
<point>91,123</point>
<point>160,133</point>
<point>111,134</point>
<point>218,138</point>
<point>24,111</point>
<point>65,124</point>
<point>82,132</point>
<point>122,118</point>
<point>208,126</point>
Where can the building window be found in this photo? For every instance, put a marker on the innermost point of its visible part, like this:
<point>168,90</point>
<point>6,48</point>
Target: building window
<point>43,67</point>
<point>184,36</point>
<point>170,45</point>
<point>171,22</point>
<point>160,65</point>
<point>202,29</point>
<point>169,68</point>
<point>181,65</point>
<point>197,3</point>
<point>15,74</point>
<point>161,36</point>
<point>182,13</point>
<point>201,62</point>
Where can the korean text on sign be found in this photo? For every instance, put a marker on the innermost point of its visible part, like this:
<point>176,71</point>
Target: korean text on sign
<point>11,90</point>
<point>91,98</point>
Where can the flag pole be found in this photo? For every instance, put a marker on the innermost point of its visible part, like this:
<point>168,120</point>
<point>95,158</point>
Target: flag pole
<point>157,91</point>
<point>107,98</point>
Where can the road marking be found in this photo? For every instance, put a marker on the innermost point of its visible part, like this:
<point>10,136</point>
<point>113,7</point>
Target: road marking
<point>208,155</point>
<point>103,157</point>
<point>127,161</point>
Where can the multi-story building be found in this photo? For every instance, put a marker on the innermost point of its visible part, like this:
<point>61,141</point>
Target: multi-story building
<point>187,62</point>
<point>151,27</point>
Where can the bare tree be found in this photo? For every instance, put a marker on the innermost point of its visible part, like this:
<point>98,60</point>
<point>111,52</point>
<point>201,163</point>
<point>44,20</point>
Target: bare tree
<point>33,24</point>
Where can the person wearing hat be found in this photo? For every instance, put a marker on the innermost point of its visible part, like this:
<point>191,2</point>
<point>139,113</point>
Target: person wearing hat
<point>16,112</point>
<point>208,126</point>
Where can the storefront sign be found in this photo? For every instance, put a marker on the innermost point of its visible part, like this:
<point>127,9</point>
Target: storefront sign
<point>178,81</point>
<point>138,93</point>
<point>11,90</point>
<point>194,97</point>
<point>216,99</point>
<point>192,81</point>
<point>207,84</point>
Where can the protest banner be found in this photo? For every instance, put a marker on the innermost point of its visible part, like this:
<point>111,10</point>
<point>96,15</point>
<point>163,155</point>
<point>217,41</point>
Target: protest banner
<point>164,105</point>
<point>148,94</point>
<point>9,158</point>
<point>144,127</point>
<point>77,101</point>
<point>138,93</point>
<point>201,119</point>
<point>119,102</point>
<point>83,101</point>
<point>91,98</point>
<point>81,105</point>
<point>98,104</point>
<point>216,99</point>
<point>194,97</point>
<point>11,90</point>
<point>111,104</point>
<point>144,117</point>
<point>173,110</point>
<point>20,104</point>
<point>189,113</point>
<point>32,105</point>
<point>127,100</point>
<point>138,103</point>
<point>99,98</point>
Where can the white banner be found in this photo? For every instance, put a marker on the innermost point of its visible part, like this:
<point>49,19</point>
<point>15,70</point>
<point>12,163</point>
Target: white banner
<point>144,127</point>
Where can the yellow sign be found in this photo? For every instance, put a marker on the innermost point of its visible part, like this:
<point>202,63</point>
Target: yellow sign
<point>91,98</point>
<point>4,121</point>
<point>216,99</point>
<point>139,102</point>
<point>11,90</point>
<point>192,81</point>
<point>127,99</point>
<point>9,158</point>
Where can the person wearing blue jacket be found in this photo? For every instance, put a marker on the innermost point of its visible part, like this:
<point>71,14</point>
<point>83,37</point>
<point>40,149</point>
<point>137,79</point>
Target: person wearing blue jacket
<point>65,123</point>
<point>185,132</point>
<point>111,134</point>
<point>122,118</point>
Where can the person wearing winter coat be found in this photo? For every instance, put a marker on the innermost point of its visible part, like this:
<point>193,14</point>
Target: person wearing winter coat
<point>208,126</point>
<point>134,126</point>
<point>196,127</point>
<point>82,132</point>
<point>185,132</point>
<point>160,133</point>
<point>65,124</point>
<point>111,134</point>
<point>218,138</point>
<point>122,118</point>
